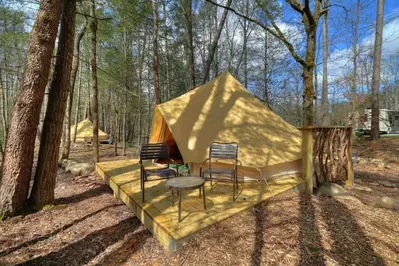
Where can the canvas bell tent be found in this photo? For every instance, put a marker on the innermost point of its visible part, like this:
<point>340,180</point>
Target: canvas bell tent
<point>85,132</point>
<point>224,110</point>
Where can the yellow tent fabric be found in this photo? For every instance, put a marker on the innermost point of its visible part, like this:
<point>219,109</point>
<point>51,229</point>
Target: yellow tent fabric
<point>85,131</point>
<point>224,110</point>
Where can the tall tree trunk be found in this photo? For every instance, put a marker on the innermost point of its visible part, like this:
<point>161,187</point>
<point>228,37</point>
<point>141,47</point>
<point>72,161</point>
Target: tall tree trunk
<point>324,92</point>
<point>127,66</point>
<point>46,172</point>
<point>139,87</point>
<point>307,75</point>
<point>18,157</point>
<point>245,46</point>
<point>375,105</point>
<point>168,89</point>
<point>77,105</point>
<point>155,52</point>
<point>116,132</point>
<point>87,111</point>
<point>188,13</point>
<point>75,66</point>
<point>265,73</point>
<point>94,104</point>
<point>212,48</point>
<point>355,52</point>
<point>3,113</point>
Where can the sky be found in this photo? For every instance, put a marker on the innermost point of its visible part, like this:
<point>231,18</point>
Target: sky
<point>340,47</point>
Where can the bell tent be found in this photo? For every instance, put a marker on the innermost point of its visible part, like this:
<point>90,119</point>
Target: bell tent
<point>85,131</point>
<point>224,110</point>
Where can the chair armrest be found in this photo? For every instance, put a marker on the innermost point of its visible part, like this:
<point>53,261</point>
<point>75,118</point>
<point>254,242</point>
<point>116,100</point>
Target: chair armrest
<point>207,159</point>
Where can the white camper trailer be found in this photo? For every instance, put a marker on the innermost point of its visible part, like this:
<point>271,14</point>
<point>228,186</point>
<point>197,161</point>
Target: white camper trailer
<point>389,121</point>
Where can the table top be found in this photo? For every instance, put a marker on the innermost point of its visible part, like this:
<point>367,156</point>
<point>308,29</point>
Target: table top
<point>185,182</point>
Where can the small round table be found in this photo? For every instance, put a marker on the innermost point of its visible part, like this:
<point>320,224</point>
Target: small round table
<point>184,183</point>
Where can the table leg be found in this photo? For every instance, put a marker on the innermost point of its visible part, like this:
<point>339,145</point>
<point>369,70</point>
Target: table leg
<point>203,195</point>
<point>173,197</point>
<point>200,192</point>
<point>179,204</point>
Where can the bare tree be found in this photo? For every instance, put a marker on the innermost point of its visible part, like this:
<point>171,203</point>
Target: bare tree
<point>375,105</point>
<point>155,52</point>
<point>188,14</point>
<point>355,56</point>
<point>44,183</point>
<point>324,93</point>
<point>94,103</point>
<point>310,21</point>
<point>74,71</point>
<point>214,44</point>
<point>18,156</point>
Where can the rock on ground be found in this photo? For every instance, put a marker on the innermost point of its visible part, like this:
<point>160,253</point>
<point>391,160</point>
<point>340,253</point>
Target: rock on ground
<point>330,189</point>
<point>362,188</point>
<point>386,203</point>
<point>77,169</point>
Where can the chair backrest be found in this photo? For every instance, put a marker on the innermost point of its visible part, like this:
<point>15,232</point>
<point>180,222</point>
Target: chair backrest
<point>154,151</point>
<point>219,150</point>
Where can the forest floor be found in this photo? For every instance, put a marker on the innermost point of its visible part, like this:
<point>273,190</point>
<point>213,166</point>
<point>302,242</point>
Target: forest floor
<point>86,225</point>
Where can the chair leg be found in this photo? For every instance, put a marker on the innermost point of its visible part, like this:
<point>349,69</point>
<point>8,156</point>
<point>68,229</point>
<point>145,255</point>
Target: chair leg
<point>234,189</point>
<point>210,177</point>
<point>142,187</point>
<point>203,195</point>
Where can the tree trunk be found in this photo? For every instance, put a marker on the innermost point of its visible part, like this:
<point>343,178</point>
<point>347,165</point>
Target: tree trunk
<point>191,62</point>
<point>116,133</point>
<point>77,106</point>
<point>214,45</point>
<point>139,88</point>
<point>46,172</point>
<point>155,52</point>
<point>168,89</point>
<point>75,66</point>
<point>265,74</point>
<point>307,75</point>
<point>245,47</point>
<point>18,157</point>
<point>94,103</point>
<point>324,93</point>
<point>355,52</point>
<point>3,113</point>
<point>375,108</point>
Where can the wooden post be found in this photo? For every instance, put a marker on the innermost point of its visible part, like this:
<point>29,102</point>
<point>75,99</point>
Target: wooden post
<point>349,180</point>
<point>307,158</point>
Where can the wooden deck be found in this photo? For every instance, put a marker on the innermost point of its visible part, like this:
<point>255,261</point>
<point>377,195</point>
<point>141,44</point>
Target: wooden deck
<point>159,215</point>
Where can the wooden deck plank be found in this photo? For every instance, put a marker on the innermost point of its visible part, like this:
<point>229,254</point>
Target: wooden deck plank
<point>159,214</point>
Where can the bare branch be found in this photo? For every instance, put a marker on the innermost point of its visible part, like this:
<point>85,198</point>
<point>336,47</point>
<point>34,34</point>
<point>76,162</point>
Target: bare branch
<point>296,6</point>
<point>276,32</point>
<point>308,13</point>
<point>280,35</point>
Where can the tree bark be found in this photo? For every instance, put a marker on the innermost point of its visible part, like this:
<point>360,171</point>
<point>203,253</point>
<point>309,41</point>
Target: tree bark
<point>168,89</point>
<point>18,157</point>
<point>155,52</point>
<point>265,74</point>
<point>77,106</point>
<point>188,13</point>
<point>46,172</point>
<point>214,45</point>
<point>375,105</point>
<point>139,88</point>
<point>75,66</point>
<point>94,103</point>
<point>355,52</point>
<point>3,114</point>
<point>324,92</point>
